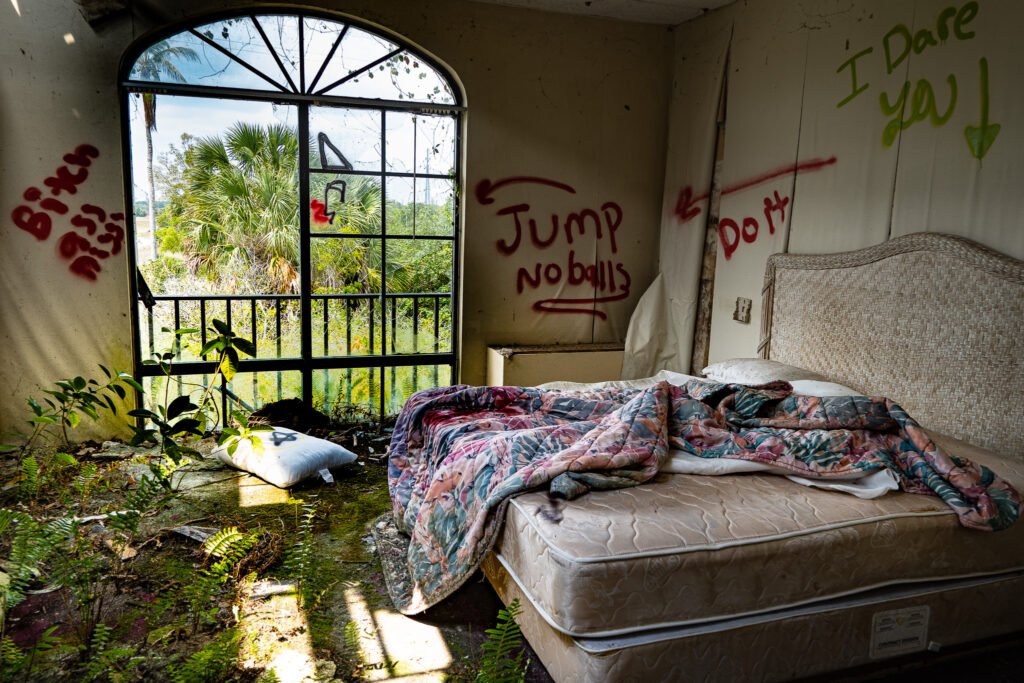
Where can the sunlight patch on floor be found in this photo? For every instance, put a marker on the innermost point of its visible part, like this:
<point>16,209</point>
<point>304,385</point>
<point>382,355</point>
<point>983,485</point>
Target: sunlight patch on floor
<point>293,666</point>
<point>371,650</point>
<point>401,635</point>
<point>277,634</point>
<point>255,493</point>
<point>396,648</point>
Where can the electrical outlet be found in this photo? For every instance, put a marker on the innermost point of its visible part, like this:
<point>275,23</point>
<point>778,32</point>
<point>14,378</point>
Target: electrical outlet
<point>742,312</point>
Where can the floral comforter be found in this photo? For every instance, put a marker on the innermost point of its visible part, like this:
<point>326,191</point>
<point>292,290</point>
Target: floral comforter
<point>458,453</point>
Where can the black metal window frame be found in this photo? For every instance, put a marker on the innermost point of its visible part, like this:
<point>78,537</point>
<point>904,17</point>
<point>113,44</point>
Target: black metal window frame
<point>304,99</point>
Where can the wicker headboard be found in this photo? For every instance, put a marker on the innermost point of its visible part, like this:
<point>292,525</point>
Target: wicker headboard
<point>933,321</point>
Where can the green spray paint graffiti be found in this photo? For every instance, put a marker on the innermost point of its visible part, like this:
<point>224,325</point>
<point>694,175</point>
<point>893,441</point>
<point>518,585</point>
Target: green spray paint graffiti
<point>918,102</point>
<point>922,107</point>
<point>980,137</point>
<point>924,39</point>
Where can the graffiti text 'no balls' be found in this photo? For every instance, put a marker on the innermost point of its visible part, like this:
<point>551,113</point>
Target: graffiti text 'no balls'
<point>605,281</point>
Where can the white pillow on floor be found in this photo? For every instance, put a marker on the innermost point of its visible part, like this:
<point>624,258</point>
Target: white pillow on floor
<point>287,456</point>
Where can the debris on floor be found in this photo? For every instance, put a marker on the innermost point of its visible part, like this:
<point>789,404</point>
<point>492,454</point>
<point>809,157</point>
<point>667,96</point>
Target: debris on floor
<point>302,600</point>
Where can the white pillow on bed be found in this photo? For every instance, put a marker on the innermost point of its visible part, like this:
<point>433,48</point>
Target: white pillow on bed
<point>287,456</point>
<point>757,371</point>
<point>813,387</point>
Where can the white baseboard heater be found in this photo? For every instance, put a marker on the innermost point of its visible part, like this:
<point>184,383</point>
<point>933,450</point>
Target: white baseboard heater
<point>533,365</point>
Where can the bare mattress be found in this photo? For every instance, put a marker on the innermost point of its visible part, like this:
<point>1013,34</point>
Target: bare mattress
<point>680,550</point>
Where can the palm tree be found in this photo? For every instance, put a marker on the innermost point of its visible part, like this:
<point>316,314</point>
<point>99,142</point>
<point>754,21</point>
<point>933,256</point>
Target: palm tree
<point>240,212</point>
<point>241,205</point>
<point>157,64</point>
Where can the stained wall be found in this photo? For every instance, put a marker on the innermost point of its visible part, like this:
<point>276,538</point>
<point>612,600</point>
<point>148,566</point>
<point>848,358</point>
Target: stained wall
<point>848,122</point>
<point>573,110</point>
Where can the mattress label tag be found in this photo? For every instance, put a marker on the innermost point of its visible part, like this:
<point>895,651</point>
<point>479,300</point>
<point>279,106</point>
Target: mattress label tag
<point>325,474</point>
<point>899,631</point>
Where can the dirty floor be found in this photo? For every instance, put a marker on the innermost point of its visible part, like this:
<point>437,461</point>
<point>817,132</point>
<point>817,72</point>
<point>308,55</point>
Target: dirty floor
<point>349,630</point>
<point>332,621</point>
<point>329,621</point>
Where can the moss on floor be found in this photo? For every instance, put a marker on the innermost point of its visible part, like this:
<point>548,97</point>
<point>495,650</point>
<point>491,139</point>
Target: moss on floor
<point>334,623</point>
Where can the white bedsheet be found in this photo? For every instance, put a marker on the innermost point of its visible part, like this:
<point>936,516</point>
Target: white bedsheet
<point>862,485</point>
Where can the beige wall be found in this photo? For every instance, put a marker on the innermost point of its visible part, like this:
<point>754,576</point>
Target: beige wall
<point>793,103</point>
<point>55,97</point>
<point>580,101</point>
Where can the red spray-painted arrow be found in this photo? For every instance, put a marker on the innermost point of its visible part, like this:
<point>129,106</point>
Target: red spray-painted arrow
<point>685,204</point>
<point>485,188</point>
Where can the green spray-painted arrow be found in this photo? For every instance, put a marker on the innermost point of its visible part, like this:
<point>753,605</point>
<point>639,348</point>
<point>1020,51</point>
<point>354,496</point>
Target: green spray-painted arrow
<point>981,137</point>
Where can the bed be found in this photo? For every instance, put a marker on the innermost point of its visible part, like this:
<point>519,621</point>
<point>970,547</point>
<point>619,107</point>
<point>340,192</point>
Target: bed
<point>752,577</point>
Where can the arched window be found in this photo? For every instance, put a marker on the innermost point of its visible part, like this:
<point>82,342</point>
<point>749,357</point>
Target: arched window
<point>296,176</point>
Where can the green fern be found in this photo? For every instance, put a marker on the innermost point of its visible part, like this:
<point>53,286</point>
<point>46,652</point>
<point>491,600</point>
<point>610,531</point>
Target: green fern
<point>29,486</point>
<point>212,664</point>
<point>88,477</point>
<point>147,496</point>
<point>228,546</point>
<point>10,517</point>
<point>350,636</point>
<point>79,566</point>
<point>503,657</point>
<point>301,558</point>
<point>32,544</point>
<point>101,635</point>
<point>12,660</point>
<point>15,661</point>
<point>111,663</point>
<point>43,472</point>
<point>26,554</point>
<point>63,461</point>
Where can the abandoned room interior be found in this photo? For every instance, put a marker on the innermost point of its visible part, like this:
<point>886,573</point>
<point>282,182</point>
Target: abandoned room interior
<point>511,340</point>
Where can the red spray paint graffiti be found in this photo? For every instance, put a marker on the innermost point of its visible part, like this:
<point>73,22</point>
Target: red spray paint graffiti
<point>685,204</point>
<point>74,245</point>
<point>608,277</point>
<point>730,233</point>
<point>319,211</point>
<point>485,188</point>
